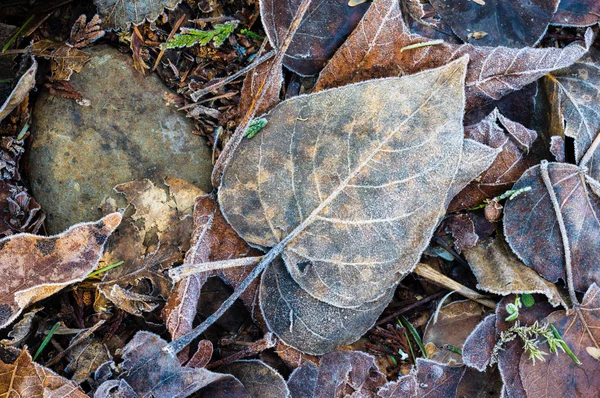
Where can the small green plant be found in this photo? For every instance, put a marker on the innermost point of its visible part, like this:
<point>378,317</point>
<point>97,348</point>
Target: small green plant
<point>46,340</point>
<point>254,127</point>
<point>510,195</point>
<point>190,37</point>
<point>251,35</point>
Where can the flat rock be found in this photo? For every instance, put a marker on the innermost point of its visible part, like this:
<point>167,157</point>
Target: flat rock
<point>80,153</point>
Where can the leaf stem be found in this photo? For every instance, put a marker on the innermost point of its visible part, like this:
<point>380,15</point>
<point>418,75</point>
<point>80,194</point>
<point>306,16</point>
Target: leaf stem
<point>563,230</point>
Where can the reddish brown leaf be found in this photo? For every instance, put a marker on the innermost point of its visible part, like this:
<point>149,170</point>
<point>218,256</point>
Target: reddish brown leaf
<point>559,376</point>
<point>478,349</point>
<point>35,267</point>
<point>65,59</point>
<point>375,50</point>
<point>259,379</point>
<point>83,33</point>
<point>577,13</point>
<point>25,378</point>
<point>323,30</point>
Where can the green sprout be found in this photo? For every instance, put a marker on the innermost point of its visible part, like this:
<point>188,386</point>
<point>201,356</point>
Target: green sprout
<point>254,127</point>
<point>190,37</point>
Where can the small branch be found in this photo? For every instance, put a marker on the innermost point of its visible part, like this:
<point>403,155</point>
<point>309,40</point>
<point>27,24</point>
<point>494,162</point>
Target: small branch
<point>185,270</point>
<point>75,342</point>
<point>427,272</point>
<point>255,348</point>
<point>173,31</point>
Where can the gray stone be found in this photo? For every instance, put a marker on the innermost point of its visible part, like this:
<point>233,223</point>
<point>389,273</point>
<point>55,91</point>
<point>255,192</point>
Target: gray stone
<point>80,153</point>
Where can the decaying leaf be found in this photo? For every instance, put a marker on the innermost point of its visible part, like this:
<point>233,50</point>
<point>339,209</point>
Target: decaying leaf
<point>86,357</point>
<point>150,372</point>
<point>332,196</point>
<point>259,379</point>
<point>455,322</point>
<point>25,378</point>
<point>505,23</point>
<point>428,379</point>
<point>532,230</point>
<point>574,94</point>
<point>22,329</point>
<point>120,14</point>
<point>340,374</point>
<point>478,348</point>
<point>375,50</point>
<point>498,270</point>
<point>65,59</point>
<point>150,240</point>
<point>559,375</point>
<point>513,141</point>
<point>84,33</point>
<point>577,13</point>
<point>35,267</point>
<point>321,32</point>
<point>21,90</point>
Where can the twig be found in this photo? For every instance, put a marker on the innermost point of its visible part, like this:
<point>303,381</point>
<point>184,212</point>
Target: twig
<point>173,31</point>
<point>408,308</point>
<point>176,274</point>
<point>237,136</point>
<point>75,342</point>
<point>425,271</point>
<point>255,348</point>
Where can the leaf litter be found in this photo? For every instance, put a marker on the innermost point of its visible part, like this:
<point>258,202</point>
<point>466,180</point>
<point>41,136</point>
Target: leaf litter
<point>348,187</point>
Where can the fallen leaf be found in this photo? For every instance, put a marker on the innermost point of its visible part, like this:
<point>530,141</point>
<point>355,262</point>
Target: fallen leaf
<point>25,378</point>
<point>36,267</point>
<point>153,238</point>
<point>202,356</point>
<point>463,231</point>
<point>65,59</point>
<point>331,213</point>
<point>422,19</point>
<point>507,24</point>
<point>321,32</point>
<point>513,141</point>
<point>22,329</point>
<point>532,231</point>
<point>498,270</point>
<point>575,100</point>
<point>150,372</point>
<point>577,13</point>
<point>480,385</point>
<point>259,379</point>
<point>86,357</point>
<point>84,33</point>
<point>478,348</point>
<point>559,375</point>
<point>427,379</point>
<point>375,50</point>
<point>340,374</point>
<point>455,322</point>
<point>25,84</point>
<point>120,14</point>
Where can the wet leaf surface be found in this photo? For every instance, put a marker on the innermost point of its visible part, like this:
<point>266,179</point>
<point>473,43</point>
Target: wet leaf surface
<point>259,379</point>
<point>498,270</point>
<point>324,29</point>
<point>120,14</point>
<point>25,378</point>
<point>532,231</point>
<point>340,374</point>
<point>35,267</point>
<point>559,376</point>
<point>507,24</point>
<point>375,50</point>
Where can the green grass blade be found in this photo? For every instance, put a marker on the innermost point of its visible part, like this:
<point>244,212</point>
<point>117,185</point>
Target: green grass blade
<point>415,335</point>
<point>46,340</point>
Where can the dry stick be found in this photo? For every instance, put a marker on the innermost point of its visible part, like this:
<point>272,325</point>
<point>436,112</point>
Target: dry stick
<point>196,95</point>
<point>176,274</point>
<point>255,348</point>
<point>563,230</point>
<point>173,31</point>
<point>408,308</point>
<point>75,342</point>
<point>427,272</point>
<point>237,136</point>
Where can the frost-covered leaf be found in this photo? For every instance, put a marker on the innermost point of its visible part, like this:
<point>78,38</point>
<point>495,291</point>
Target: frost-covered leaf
<point>259,379</point>
<point>577,13</point>
<point>478,349</point>
<point>86,357</point>
<point>35,267</point>
<point>18,94</point>
<point>64,58</point>
<point>120,14</point>
<point>375,49</point>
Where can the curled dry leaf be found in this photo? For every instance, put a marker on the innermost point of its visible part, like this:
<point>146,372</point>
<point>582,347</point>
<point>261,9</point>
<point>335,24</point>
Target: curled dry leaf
<point>120,14</point>
<point>558,375</point>
<point>259,379</point>
<point>375,49</point>
<point>25,378</point>
<point>428,379</point>
<point>150,372</point>
<point>505,23</point>
<point>498,270</point>
<point>532,231</point>
<point>86,357</point>
<point>153,238</point>
<point>22,329</point>
<point>513,141</point>
<point>455,322</point>
<point>574,94</point>
<point>83,33</point>
<point>21,90</point>
<point>323,30</point>
<point>340,374</point>
<point>577,13</point>
<point>35,267</point>
<point>65,59</point>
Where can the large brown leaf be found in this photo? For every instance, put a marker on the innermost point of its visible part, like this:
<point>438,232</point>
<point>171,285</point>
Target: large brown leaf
<point>574,94</point>
<point>120,14</point>
<point>323,30</point>
<point>259,379</point>
<point>532,228</point>
<point>35,267</point>
<point>577,13</point>
<point>375,50</point>
<point>323,183</point>
<point>559,376</point>
<point>506,23</point>
<point>25,378</point>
